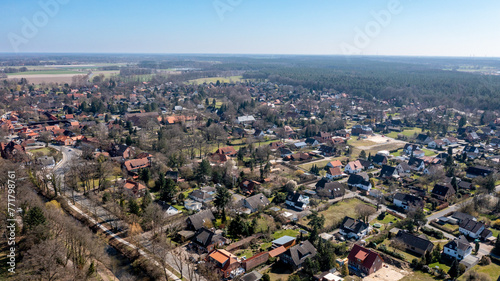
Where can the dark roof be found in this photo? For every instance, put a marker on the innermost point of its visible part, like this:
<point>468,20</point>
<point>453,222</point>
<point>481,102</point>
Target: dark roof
<point>443,189</point>
<point>370,258</point>
<point>197,220</point>
<point>460,243</point>
<point>361,178</point>
<point>300,252</point>
<point>465,185</point>
<point>379,159</point>
<point>387,171</point>
<point>252,276</point>
<point>479,170</point>
<point>471,225</point>
<point>365,163</point>
<point>351,225</point>
<point>414,161</point>
<point>257,201</point>
<point>333,189</point>
<point>461,216</point>
<point>205,237</point>
<point>408,198</point>
<point>414,241</point>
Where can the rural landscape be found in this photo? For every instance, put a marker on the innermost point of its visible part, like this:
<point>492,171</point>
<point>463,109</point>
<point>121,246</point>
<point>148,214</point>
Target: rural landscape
<point>247,141</point>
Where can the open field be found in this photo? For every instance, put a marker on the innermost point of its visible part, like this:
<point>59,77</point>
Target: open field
<point>336,212</point>
<point>387,273</point>
<point>214,80</point>
<point>419,276</point>
<point>493,270</point>
<point>408,133</point>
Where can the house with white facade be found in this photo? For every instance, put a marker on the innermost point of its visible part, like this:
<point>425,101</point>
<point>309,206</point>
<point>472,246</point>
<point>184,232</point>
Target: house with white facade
<point>458,248</point>
<point>353,167</point>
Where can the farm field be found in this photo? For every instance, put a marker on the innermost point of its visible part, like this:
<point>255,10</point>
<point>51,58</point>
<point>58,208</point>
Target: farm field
<point>214,80</point>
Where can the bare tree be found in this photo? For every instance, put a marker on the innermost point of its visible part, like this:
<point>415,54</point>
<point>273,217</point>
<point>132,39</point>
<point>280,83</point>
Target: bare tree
<point>364,211</point>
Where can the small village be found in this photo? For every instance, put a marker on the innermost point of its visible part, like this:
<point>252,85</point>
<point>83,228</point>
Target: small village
<point>254,180</point>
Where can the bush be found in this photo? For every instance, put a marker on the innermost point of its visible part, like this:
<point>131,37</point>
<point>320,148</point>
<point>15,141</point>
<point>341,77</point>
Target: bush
<point>485,260</point>
<point>432,232</point>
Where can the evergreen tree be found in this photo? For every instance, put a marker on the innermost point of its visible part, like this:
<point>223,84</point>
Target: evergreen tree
<point>133,207</point>
<point>362,154</point>
<point>34,217</point>
<point>454,272</point>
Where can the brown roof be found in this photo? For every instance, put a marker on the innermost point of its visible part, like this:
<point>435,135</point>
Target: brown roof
<point>276,252</point>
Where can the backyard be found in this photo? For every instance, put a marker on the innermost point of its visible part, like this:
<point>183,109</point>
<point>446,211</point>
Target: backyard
<point>336,212</point>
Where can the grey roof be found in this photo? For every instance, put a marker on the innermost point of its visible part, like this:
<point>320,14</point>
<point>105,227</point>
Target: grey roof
<point>387,171</point>
<point>197,220</point>
<point>205,237</point>
<point>414,241</point>
<point>300,252</point>
<point>351,225</point>
<point>379,158</point>
<point>471,225</point>
<point>461,216</point>
<point>361,178</point>
<point>46,160</point>
<point>283,240</point>
<point>408,198</point>
<point>459,243</point>
<point>443,189</point>
<point>257,201</point>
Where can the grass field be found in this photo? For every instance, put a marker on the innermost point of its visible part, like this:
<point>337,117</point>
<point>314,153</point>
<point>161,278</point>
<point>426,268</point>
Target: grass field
<point>388,218</point>
<point>46,72</point>
<point>336,212</point>
<point>214,80</point>
<point>287,232</point>
<point>419,276</point>
<point>428,152</point>
<point>320,164</point>
<point>408,133</point>
<point>493,270</point>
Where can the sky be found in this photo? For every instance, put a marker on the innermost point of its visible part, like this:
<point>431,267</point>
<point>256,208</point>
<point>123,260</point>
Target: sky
<point>345,27</point>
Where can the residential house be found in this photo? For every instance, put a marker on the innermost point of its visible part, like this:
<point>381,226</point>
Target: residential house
<point>200,220</point>
<point>134,165</point>
<point>284,152</point>
<point>228,151</point>
<point>353,167</point>
<point>364,261</point>
<point>418,245</point>
<point>120,150</point>
<point>351,228</point>
<point>201,196</point>
<point>312,142</point>
<point>334,173</point>
<point>284,241</point>
<point>388,172</point>
<point>334,164</point>
<point>276,145</point>
<point>206,241</point>
<point>474,229</point>
<point>360,180</point>
<point>249,186</point>
<point>439,144</point>
<point>450,140</point>
<point>327,150</point>
<point>409,147</point>
<point>416,164</point>
<point>331,190</point>
<point>458,248</point>
<point>297,200</point>
<point>252,276</point>
<point>256,202</point>
<point>247,119</point>
<point>297,255</point>
<point>361,130</point>
<point>443,191</point>
<point>46,162</point>
<point>423,139</point>
<point>478,171</point>
<point>407,201</point>
<point>367,165</point>
<point>225,263</point>
<point>403,168</point>
<point>192,205</point>
<point>134,189</point>
<point>379,159</point>
<point>459,216</point>
<point>299,157</point>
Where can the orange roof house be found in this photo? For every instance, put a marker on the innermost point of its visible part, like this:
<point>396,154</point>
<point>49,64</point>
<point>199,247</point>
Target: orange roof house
<point>225,262</point>
<point>134,165</point>
<point>134,189</point>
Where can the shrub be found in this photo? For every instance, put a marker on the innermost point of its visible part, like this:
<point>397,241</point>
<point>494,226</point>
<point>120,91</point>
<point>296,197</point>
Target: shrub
<point>485,260</point>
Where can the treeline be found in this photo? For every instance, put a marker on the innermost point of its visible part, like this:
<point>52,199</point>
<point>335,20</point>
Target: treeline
<point>14,70</point>
<point>129,71</point>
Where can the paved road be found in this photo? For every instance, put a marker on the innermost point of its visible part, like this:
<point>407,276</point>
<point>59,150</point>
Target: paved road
<point>70,154</point>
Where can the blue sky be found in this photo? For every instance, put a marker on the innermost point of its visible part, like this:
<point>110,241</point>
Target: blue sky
<point>417,28</point>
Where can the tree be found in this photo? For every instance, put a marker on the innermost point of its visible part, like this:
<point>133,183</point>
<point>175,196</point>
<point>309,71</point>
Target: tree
<point>497,244</point>
<point>476,276</point>
<point>362,154</point>
<point>364,211</point>
<point>133,207</point>
<point>345,269</point>
<point>462,122</point>
<point>417,217</point>
<point>316,222</point>
<point>146,200</point>
<point>204,170</point>
<point>222,199</point>
<point>266,277</point>
<point>454,272</point>
<point>34,217</point>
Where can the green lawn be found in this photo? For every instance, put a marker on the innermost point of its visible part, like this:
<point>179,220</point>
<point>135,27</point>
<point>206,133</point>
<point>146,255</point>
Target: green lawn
<point>287,232</point>
<point>388,218</point>
<point>428,152</point>
<point>440,265</point>
<point>336,212</point>
<point>493,270</point>
<point>419,276</point>
<point>408,133</point>
<point>265,246</point>
<point>248,253</point>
